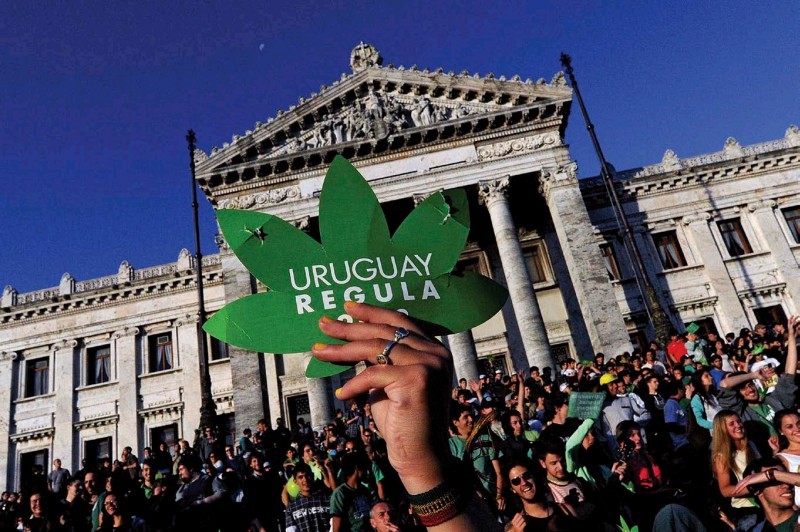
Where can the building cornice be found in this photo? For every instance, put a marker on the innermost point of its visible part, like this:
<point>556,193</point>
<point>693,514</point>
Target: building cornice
<point>672,174</point>
<point>145,283</point>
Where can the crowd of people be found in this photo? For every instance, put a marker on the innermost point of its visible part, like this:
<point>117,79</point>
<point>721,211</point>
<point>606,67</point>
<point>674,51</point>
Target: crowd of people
<point>701,433</point>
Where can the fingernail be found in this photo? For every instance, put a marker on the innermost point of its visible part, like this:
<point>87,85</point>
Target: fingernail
<point>326,319</point>
<point>338,392</point>
<point>319,347</point>
<point>349,305</point>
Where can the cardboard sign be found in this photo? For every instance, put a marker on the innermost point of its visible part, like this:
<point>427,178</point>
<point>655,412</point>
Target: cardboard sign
<point>586,405</point>
<point>357,260</point>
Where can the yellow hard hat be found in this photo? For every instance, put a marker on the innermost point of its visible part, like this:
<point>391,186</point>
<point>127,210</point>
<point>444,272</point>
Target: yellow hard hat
<point>607,378</point>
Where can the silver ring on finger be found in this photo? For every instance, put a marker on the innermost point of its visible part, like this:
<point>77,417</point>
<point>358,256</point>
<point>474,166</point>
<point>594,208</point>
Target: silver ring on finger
<point>383,358</point>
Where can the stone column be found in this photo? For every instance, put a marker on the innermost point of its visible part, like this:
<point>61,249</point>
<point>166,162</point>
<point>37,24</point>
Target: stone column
<point>320,398</point>
<point>188,348</point>
<point>775,240</point>
<point>8,366</point>
<point>128,377</point>
<point>273,388</point>
<point>64,365</point>
<point>731,313</point>
<point>465,356</point>
<point>598,303</point>
<point>246,371</point>
<point>492,193</point>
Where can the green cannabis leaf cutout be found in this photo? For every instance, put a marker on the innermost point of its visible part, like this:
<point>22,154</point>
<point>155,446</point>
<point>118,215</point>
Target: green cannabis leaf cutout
<point>357,260</point>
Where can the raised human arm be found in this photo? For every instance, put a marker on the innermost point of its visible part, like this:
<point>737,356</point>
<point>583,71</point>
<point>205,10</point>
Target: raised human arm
<point>732,381</point>
<point>574,442</point>
<point>408,396</point>
<point>791,348</point>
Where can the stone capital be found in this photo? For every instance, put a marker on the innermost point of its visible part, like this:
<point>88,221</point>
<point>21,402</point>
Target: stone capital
<point>301,223</point>
<point>8,355</point>
<point>764,204</point>
<point>65,344</point>
<point>552,177</point>
<point>419,198</point>
<point>187,319</point>
<point>492,190</point>
<point>698,217</point>
<point>127,331</point>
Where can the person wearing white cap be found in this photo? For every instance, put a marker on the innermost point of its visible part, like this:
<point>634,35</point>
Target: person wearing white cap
<point>739,393</point>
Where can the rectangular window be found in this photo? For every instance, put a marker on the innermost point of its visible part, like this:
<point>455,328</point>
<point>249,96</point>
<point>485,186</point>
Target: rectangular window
<point>98,364</point>
<point>219,349</point>
<point>611,261</point>
<point>95,450</point>
<point>535,262</point>
<point>669,251</point>
<point>167,434</point>
<point>734,238</point>
<point>227,427</point>
<point>560,352</point>
<point>160,350</point>
<point>792,215</point>
<point>37,377</point>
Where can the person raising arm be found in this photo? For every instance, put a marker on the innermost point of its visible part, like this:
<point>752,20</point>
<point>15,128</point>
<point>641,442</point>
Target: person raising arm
<point>409,395</point>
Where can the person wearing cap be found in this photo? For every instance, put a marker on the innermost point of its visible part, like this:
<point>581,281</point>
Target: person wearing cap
<point>739,393</point>
<point>695,346</point>
<point>619,406</point>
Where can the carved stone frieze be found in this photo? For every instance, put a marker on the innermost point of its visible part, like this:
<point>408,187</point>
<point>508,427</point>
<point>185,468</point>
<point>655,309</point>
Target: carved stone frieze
<point>517,146</point>
<point>793,136</point>
<point>492,190</point>
<point>269,197</point>
<point>768,204</point>
<point>670,161</point>
<point>8,355</point>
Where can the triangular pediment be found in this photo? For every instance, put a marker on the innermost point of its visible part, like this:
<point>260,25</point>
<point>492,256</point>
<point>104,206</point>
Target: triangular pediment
<point>381,109</point>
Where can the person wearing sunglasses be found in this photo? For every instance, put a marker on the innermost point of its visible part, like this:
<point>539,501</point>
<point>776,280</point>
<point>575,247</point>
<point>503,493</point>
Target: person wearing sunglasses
<point>533,512</point>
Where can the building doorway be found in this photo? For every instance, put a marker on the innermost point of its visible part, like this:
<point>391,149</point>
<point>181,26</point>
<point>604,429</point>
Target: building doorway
<point>166,433</point>
<point>298,407</point>
<point>770,315</point>
<point>33,469</point>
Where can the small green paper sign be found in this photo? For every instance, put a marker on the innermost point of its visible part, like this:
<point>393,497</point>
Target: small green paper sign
<point>358,261</point>
<point>586,405</point>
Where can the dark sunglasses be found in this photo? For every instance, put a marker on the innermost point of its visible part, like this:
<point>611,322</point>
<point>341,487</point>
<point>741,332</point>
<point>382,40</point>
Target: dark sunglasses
<point>516,481</point>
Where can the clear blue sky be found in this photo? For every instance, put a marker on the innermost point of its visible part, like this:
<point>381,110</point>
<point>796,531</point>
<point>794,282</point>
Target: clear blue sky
<point>96,97</point>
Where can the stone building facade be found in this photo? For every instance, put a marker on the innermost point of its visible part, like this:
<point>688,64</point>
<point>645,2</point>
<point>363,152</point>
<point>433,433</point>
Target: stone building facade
<point>89,367</point>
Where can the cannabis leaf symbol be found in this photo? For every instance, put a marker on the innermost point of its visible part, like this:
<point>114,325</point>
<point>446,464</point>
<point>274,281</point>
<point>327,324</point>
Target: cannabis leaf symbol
<point>357,260</point>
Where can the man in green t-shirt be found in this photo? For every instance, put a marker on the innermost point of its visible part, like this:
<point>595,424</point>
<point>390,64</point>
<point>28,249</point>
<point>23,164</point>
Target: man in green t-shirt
<point>350,502</point>
<point>484,453</point>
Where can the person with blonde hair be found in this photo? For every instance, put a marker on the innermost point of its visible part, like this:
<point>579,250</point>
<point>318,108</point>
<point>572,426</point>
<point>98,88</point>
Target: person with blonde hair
<point>731,452</point>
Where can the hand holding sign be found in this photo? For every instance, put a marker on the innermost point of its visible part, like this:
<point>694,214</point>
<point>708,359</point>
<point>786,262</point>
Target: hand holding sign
<point>356,261</point>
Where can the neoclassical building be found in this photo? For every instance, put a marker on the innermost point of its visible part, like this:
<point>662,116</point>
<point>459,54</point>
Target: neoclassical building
<point>89,367</point>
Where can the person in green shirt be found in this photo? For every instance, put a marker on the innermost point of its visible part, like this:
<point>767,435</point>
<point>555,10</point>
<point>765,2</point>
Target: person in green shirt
<point>350,501</point>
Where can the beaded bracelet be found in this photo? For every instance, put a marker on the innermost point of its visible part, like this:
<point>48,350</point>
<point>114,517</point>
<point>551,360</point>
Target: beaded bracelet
<point>439,504</point>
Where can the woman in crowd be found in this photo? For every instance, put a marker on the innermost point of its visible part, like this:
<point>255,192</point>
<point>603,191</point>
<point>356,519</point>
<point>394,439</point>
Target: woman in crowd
<point>787,424</point>
<point>117,518</point>
<point>731,452</point>
<point>704,402</point>
<point>643,469</point>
